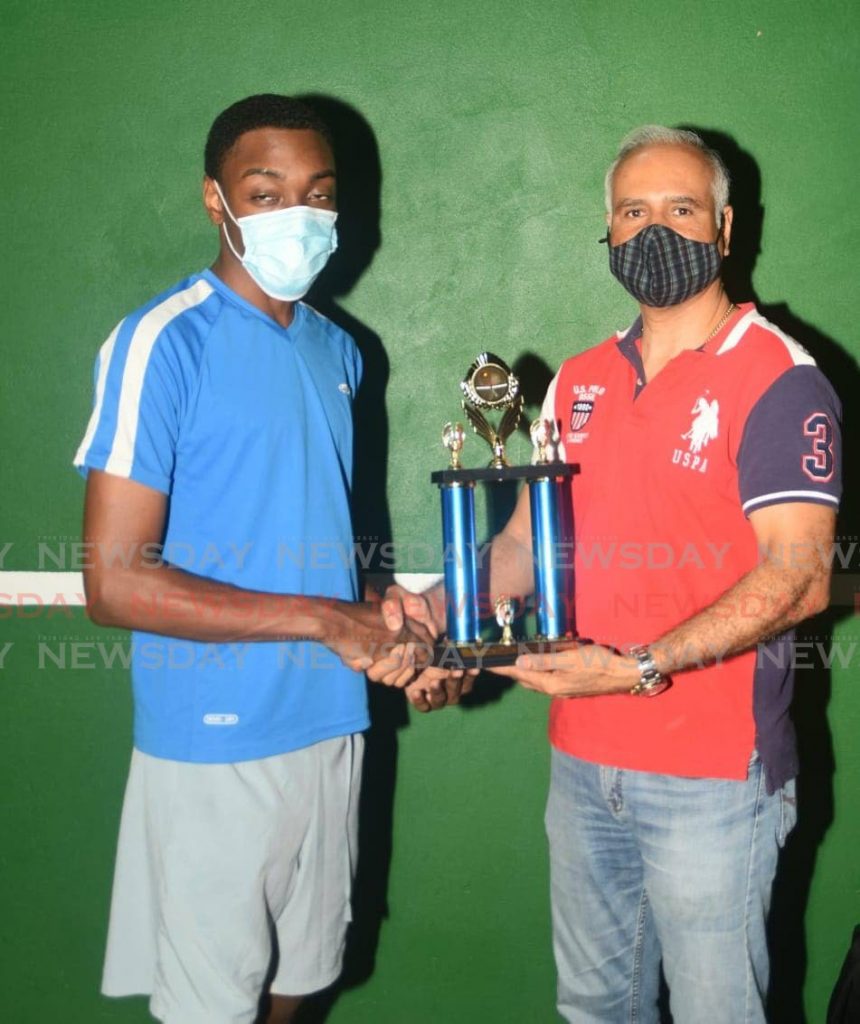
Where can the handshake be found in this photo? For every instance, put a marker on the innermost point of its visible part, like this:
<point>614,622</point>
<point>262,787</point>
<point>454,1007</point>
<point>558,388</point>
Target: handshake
<point>392,642</point>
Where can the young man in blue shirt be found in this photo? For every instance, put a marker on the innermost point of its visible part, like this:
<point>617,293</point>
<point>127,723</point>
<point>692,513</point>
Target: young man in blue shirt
<point>221,441</point>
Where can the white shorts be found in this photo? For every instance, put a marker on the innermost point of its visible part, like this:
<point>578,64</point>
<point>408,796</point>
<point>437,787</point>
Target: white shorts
<point>225,871</point>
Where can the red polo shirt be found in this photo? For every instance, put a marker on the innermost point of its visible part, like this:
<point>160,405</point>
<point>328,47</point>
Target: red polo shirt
<point>669,471</point>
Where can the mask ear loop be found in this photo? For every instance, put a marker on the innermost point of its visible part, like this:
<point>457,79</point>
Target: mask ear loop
<point>230,215</point>
<point>721,234</point>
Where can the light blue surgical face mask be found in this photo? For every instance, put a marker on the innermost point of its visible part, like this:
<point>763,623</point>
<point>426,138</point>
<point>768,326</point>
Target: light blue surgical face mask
<point>284,250</point>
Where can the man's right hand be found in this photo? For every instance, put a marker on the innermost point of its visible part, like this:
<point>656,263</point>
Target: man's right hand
<point>433,688</point>
<point>390,649</point>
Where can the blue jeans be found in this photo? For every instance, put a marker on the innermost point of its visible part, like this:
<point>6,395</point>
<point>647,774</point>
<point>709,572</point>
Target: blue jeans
<point>647,866</point>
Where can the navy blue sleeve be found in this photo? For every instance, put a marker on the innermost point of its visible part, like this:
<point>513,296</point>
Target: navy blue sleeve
<point>791,448</point>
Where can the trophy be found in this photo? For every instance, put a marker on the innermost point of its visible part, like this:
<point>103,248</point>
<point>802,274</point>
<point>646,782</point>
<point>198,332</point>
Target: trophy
<point>490,387</point>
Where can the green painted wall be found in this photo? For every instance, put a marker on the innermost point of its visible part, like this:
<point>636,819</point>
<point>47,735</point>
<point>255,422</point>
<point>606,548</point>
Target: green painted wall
<point>491,124</point>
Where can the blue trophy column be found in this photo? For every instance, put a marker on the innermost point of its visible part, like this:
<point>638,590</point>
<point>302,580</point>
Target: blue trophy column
<point>550,591</point>
<point>460,560</point>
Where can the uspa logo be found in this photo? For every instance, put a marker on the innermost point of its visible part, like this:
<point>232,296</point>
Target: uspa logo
<point>705,426</point>
<point>580,413</point>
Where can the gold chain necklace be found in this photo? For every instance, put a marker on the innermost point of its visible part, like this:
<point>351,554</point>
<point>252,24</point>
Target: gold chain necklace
<point>732,308</point>
<point>722,320</point>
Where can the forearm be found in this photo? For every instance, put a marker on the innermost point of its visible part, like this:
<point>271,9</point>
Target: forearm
<point>169,601</point>
<point>767,601</point>
<point>504,570</point>
<point>511,569</point>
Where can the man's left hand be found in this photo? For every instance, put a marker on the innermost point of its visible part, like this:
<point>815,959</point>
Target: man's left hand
<point>438,687</point>
<point>584,670</point>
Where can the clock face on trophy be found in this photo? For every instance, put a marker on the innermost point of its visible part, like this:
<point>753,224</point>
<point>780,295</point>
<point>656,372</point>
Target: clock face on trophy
<point>489,383</point>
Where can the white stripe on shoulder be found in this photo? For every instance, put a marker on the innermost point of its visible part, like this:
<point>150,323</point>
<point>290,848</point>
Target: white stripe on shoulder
<point>139,349</point>
<point>105,354</point>
<point>776,496</point>
<point>736,333</point>
<point>799,355</point>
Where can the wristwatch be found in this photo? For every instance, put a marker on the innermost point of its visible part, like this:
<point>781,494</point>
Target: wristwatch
<point>651,682</point>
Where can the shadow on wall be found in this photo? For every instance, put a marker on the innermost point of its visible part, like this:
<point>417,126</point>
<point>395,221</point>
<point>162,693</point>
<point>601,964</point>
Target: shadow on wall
<point>812,682</point>
<point>359,185</point>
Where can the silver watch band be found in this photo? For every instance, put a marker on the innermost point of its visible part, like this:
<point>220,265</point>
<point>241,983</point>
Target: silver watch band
<point>651,681</point>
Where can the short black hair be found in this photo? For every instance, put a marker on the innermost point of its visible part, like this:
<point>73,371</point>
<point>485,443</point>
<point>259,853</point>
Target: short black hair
<point>266,110</point>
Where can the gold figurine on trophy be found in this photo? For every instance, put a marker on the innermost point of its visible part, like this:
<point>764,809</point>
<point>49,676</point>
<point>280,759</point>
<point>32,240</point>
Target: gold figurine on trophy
<point>542,436</point>
<point>504,608</point>
<point>453,438</point>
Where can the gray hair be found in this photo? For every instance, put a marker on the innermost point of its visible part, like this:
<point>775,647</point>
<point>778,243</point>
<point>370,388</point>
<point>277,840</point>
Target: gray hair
<point>658,135</point>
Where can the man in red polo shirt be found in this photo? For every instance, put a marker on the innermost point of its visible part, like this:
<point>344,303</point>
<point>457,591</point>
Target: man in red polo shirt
<point>708,448</point>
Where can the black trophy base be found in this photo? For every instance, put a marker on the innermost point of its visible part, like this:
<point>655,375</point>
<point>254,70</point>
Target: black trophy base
<point>478,655</point>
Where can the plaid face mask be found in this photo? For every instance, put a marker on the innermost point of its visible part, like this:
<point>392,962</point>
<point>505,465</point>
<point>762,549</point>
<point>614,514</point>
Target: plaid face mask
<point>659,267</point>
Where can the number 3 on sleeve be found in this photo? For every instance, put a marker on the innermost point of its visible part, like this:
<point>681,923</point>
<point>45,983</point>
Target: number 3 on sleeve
<point>819,465</point>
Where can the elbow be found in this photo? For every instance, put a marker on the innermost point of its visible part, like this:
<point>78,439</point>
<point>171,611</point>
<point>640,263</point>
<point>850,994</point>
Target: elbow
<point>103,601</point>
<point>98,613</point>
<point>817,597</point>
<point>821,601</point>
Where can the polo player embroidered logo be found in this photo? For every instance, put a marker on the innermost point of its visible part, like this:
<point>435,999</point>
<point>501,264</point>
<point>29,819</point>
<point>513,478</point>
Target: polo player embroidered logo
<point>580,413</point>
<point>705,425</point>
<point>704,429</point>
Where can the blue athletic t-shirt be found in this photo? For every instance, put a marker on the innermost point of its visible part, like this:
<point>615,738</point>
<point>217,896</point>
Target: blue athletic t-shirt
<point>247,426</point>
